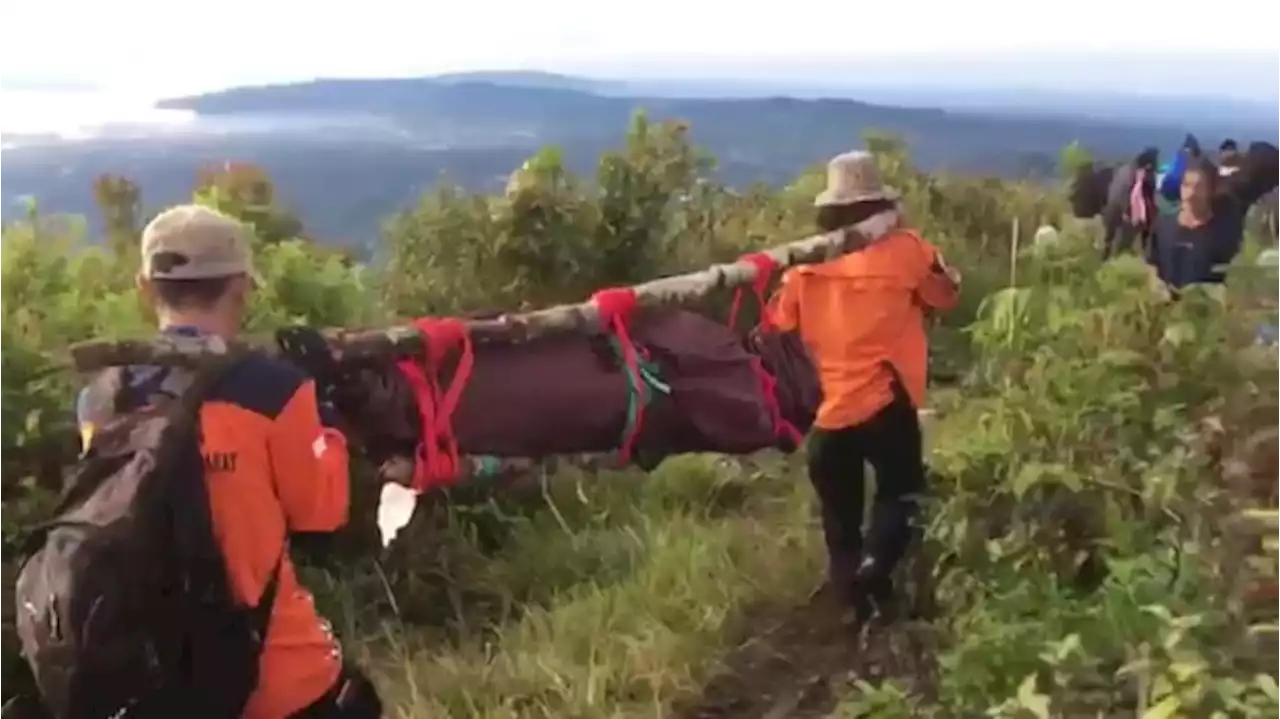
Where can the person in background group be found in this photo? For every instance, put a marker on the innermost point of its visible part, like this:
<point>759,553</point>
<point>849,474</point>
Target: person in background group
<point>1228,158</point>
<point>1171,180</point>
<point>862,318</point>
<point>1164,205</point>
<point>1131,203</point>
<point>1190,247</point>
<point>289,467</point>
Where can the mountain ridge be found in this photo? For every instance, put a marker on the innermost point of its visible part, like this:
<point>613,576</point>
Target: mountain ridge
<point>398,136</point>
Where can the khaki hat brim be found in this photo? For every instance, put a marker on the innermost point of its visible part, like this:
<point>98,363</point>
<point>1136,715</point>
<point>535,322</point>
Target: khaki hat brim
<point>827,197</point>
<point>254,277</point>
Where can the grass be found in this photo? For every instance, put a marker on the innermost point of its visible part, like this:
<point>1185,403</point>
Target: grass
<point>613,596</point>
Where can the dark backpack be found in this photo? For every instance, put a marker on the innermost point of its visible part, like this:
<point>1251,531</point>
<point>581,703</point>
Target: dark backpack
<point>123,605</point>
<point>1089,190</point>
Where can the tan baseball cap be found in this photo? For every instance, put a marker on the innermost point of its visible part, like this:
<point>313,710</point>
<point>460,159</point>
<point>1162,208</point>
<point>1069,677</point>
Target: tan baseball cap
<point>194,242</point>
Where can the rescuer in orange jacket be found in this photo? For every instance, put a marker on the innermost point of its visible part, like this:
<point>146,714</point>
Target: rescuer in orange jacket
<point>274,463</point>
<point>862,317</point>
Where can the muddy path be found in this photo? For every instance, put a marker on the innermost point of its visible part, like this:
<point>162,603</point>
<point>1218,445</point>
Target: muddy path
<point>796,662</point>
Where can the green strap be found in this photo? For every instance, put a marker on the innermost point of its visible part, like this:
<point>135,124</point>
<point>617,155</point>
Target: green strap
<point>639,392</point>
<point>487,469</point>
<point>490,466</point>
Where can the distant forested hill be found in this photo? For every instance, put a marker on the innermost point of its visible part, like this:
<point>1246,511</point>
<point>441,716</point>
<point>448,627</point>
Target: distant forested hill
<point>477,128</point>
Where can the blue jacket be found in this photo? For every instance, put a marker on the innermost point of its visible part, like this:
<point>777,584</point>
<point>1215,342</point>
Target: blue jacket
<point>1171,184</point>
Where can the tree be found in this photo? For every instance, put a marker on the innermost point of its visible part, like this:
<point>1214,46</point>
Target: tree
<point>1072,158</point>
<point>120,201</point>
<point>246,192</point>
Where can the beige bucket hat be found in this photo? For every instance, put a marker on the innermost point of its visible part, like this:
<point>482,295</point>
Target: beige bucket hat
<point>193,242</point>
<point>854,177</point>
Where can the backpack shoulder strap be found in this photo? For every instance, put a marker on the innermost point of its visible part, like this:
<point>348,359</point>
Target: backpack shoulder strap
<point>100,400</point>
<point>260,615</point>
<point>191,390</point>
<point>188,387</point>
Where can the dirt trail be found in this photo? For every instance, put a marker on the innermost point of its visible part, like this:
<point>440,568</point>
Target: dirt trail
<point>800,658</point>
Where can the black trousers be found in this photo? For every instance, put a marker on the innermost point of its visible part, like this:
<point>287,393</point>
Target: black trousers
<point>890,442</point>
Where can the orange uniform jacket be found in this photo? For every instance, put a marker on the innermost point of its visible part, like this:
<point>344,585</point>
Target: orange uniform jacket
<point>270,469</point>
<point>861,311</point>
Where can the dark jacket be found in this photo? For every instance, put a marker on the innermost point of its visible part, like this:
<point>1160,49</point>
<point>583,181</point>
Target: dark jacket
<point>1182,256</point>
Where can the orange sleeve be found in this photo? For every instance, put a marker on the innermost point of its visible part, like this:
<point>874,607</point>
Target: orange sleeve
<point>784,310</point>
<point>939,287</point>
<point>310,465</point>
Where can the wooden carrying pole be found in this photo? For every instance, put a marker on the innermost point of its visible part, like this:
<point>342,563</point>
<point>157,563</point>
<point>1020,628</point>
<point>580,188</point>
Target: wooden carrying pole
<point>405,340</point>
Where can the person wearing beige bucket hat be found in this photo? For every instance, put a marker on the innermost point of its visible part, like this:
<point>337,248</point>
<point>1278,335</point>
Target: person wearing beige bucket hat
<point>854,178</point>
<point>862,317</point>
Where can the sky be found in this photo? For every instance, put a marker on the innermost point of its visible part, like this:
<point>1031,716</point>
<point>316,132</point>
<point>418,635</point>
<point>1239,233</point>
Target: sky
<point>154,49</point>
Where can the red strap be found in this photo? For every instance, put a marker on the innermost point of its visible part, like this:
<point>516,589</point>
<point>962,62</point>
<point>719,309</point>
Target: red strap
<point>615,306</point>
<point>769,389</point>
<point>765,266</point>
<point>438,462</point>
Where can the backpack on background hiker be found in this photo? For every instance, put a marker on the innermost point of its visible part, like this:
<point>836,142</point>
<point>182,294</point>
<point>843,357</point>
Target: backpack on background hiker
<point>123,605</point>
<point>1259,170</point>
<point>1089,189</point>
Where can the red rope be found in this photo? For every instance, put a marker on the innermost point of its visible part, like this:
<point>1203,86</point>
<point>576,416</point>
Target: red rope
<point>615,306</point>
<point>769,388</point>
<point>765,266</point>
<point>437,461</point>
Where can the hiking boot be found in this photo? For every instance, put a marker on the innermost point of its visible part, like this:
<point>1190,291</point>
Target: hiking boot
<point>823,594</point>
<point>873,596</point>
<point>831,604</point>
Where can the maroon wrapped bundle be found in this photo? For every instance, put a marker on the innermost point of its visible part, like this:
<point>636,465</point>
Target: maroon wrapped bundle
<point>569,394</point>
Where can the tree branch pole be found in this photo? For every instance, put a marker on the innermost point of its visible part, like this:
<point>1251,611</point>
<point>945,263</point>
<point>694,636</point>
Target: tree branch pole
<point>405,340</point>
